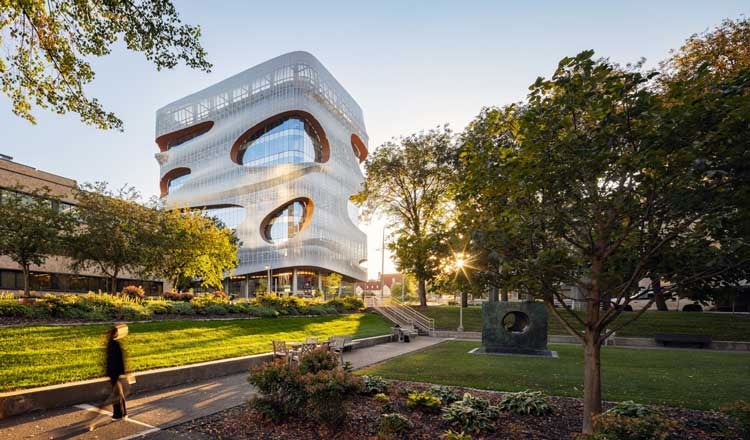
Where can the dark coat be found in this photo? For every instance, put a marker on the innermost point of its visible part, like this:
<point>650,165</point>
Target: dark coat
<point>115,360</point>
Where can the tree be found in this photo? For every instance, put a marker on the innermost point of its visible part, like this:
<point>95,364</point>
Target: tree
<point>593,182</point>
<point>31,229</point>
<point>190,245</point>
<point>407,181</point>
<point>115,233</point>
<point>49,44</point>
<point>333,282</point>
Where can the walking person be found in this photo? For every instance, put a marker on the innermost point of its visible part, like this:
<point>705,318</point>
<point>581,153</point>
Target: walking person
<point>115,368</point>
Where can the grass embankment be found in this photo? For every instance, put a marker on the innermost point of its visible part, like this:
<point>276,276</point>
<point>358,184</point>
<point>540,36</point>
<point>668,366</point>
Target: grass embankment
<point>720,326</point>
<point>43,355</point>
<point>679,378</point>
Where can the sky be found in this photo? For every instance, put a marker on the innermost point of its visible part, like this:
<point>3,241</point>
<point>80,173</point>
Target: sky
<point>410,65</point>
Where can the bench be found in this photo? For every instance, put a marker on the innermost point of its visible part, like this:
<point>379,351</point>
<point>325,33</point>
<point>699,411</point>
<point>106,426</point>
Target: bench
<point>683,340</point>
<point>405,333</point>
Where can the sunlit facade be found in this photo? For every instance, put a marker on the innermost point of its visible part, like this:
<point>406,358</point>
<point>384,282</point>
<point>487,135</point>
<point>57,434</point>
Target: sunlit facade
<point>274,153</point>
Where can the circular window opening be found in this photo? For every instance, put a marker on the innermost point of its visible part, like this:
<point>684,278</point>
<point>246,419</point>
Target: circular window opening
<point>516,322</point>
<point>287,220</point>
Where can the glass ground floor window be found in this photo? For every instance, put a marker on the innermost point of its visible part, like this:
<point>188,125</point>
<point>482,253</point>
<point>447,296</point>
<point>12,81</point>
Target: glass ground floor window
<point>70,283</point>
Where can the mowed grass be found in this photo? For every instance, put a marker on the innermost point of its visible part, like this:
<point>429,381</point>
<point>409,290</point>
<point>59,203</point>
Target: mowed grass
<point>720,326</point>
<point>42,355</point>
<point>678,378</point>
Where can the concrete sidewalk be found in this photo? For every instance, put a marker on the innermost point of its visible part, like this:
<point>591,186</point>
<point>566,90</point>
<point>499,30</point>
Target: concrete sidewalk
<point>151,412</point>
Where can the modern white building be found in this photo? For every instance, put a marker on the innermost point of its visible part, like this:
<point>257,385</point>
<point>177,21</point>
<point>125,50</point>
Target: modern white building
<point>274,152</point>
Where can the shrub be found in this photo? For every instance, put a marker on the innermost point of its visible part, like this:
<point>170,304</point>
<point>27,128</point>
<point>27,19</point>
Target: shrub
<point>215,309</point>
<point>615,427</point>
<point>262,312</point>
<point>374,385</point>
<point>320,359</point>
<point>178,296</point>
<point>470,414</point>
<point>327,392</point>
<point>629,408</point>
<point>321,310</point>
<point>451,435</point>
<point>61,306</point>
<point>182,308</point>
<point>347,304</point>
<point>220,294</point>
<point>133,292</point>
<point>445,394</point>
<point>382,398</point>
<point>423,401</point>
<point>739,411</point>
<point>317,388</point>
<point>393,426</point>
<point>132,312</point>
<point>204,301</point>
<point>12,308</point>
<point>526,402</point>
<point>159,307</point>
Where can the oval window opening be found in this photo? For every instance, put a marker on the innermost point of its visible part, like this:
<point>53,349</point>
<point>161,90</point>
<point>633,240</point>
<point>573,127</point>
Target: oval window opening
<point>287,221</point>
<point>291,139</point>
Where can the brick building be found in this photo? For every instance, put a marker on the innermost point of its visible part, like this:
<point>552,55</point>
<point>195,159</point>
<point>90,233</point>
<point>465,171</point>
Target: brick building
<point>54,276</point>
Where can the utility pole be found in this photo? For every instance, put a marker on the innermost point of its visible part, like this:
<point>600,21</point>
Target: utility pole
<point>382,265</point>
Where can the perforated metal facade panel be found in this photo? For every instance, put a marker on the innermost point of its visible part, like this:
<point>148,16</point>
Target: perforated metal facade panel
<point>294,82</point>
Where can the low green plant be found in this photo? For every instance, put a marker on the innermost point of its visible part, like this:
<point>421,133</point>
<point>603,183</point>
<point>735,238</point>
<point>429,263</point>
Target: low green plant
<point>452,435</point>
<point>159,307</point>
<point>470,414</point>
<point>610,426</point>
<point>382,398</point>
<point>320,359</point>
<point>215,309</point>
<point>262,312</point>
<point>739,411</point>
<point>374,385</point>
<point>629,408</point>
<point>445,394</point>
<point>182,308</point>
<point>326,393</point>
<point>393,426</point>
<point>423,401</point>
<point>526,402</point>
<point>14,309</point>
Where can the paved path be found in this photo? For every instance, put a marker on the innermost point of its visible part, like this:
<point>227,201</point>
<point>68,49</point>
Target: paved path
<point>150,413</point>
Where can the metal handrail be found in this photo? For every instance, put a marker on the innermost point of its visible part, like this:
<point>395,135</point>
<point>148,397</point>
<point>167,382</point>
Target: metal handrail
<point>425,321</point>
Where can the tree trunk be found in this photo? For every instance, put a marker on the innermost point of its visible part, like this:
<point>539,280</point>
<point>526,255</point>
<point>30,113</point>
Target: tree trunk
<point>493,294</point>
<point>659,300</point>
<point>422,291</point>
<point>592,381</point>
<point>464,299</point>
<point>26,271</point>
<point>113,285</point>
<point>504,296</point>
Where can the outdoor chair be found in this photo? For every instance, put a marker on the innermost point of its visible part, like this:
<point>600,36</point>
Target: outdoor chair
<point>337,344</point>
<point>280,350</point>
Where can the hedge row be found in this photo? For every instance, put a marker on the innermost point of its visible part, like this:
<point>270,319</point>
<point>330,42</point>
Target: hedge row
<point>104,307</point>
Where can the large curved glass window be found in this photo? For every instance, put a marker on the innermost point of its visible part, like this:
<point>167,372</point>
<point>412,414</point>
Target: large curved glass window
<point>287,221</point>
<point>177,182</point>
<point>231,216</point>
<point>291,140</point>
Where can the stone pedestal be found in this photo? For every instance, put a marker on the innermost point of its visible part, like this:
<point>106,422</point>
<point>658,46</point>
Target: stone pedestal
<point>514,328</point>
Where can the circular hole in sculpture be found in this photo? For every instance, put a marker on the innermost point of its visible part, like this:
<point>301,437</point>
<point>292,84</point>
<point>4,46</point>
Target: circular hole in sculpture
<point>516,322</point>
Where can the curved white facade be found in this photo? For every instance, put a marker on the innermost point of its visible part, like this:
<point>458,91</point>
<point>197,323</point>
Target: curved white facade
<point>199,137</point>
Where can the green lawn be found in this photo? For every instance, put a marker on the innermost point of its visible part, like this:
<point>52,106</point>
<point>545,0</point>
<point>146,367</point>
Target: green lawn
<point>679,378</point>
<point>43,355</point>
<point>721,326</point>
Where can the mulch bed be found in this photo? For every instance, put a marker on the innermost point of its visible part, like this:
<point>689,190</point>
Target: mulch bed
<point>242,422</point>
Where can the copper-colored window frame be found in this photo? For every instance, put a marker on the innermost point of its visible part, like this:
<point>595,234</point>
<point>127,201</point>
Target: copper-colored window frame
<point>171,174</point>
<point>191,132</point>
<point>306,215</point>
<point>359,147</point>
<point>234,153</point>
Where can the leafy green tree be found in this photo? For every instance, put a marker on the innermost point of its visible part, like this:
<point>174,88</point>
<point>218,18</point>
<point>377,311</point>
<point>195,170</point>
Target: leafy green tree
<point>31,229</point>
<point>592,182</point>
<point>115,233</point>
<point>407,182</point>
<point>189,245</point>
<point>333,282</point>
<point>49,44</point>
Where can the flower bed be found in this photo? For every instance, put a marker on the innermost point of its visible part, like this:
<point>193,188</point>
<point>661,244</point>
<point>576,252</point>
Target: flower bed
<point>367,414</point>
<point>130,307</point>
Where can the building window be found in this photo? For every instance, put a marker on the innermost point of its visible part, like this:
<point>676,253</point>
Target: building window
<point>291,140</point>
<point>287,221</point>
<point>231,216</point>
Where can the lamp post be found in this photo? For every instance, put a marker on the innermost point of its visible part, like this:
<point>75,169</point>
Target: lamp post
<point>268,273</point>
<point>459,267</point>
